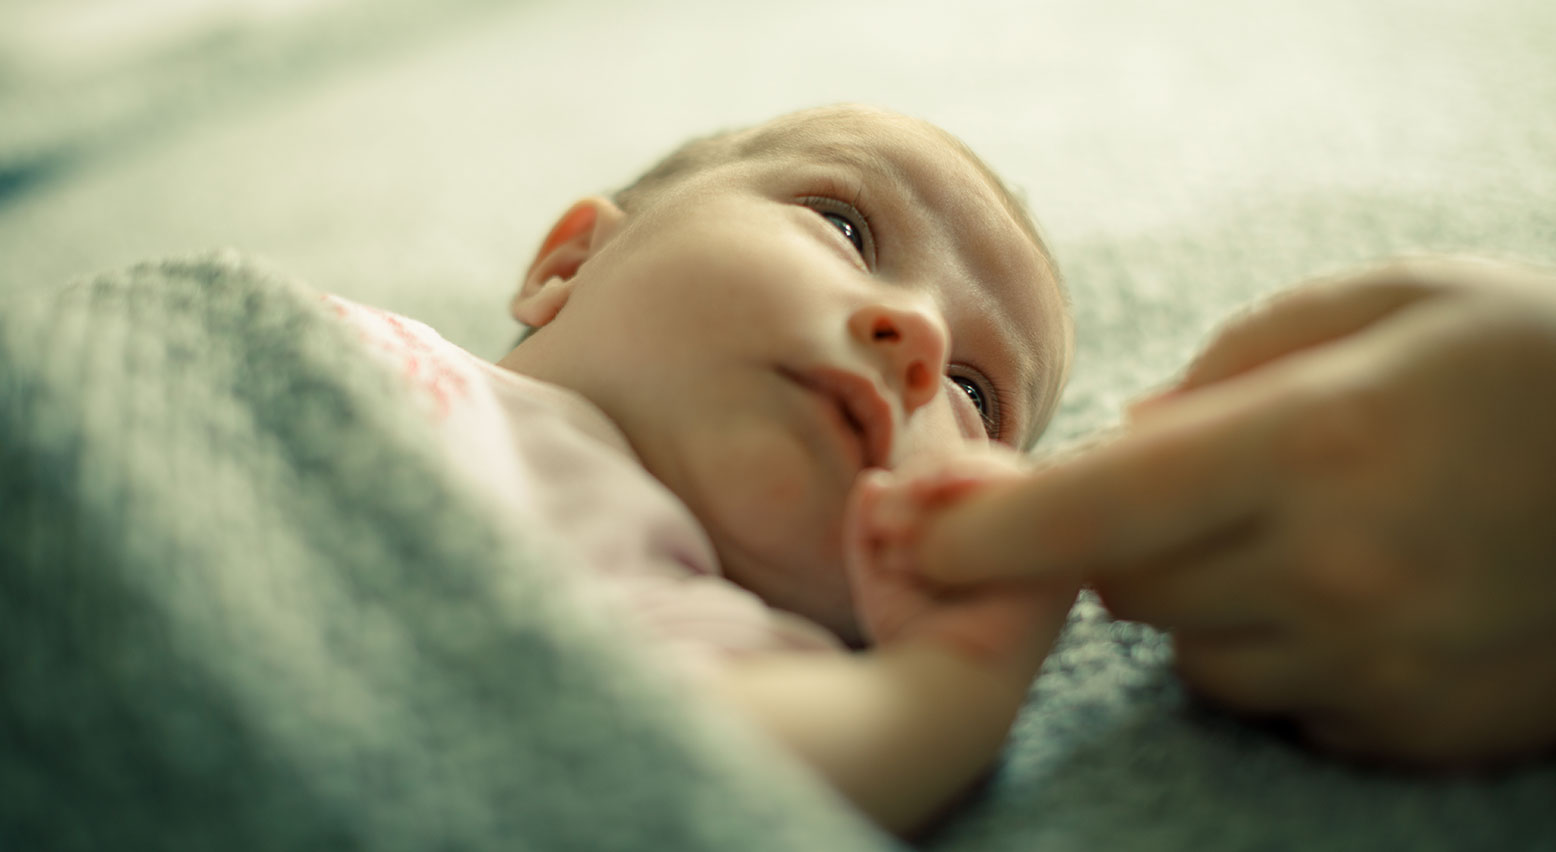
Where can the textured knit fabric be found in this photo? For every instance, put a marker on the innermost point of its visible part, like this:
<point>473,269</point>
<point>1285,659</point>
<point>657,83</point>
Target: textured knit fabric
<point>246,604</point>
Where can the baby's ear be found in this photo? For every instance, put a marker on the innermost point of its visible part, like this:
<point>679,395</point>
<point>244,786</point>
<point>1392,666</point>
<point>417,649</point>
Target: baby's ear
<point>575,237</point>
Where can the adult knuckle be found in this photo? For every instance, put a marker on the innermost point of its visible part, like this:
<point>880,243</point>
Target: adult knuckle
<point>1229,340</point>
<point>1408,267</point>
<point>1343,427</point>
<point>1446,272</point>
<point>1351,572</point>
<point>1419,270</point>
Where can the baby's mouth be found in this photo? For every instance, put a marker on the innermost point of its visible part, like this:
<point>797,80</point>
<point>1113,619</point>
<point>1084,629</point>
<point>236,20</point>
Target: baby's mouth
<point>860,404</point>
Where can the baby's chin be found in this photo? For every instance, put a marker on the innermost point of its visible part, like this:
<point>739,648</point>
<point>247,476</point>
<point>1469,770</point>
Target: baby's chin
<point>824,600</point>
<point>845,626</point>
<point>836,617</point>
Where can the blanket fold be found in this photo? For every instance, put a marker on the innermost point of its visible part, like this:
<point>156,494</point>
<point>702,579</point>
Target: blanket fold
<point>245,605</point>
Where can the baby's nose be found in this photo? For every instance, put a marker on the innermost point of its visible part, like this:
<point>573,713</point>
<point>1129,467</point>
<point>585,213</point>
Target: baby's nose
<point>909,344</point>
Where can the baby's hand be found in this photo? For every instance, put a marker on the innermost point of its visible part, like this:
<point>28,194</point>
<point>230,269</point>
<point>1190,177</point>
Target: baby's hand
<point>894,507</point>
<point>888,513</point>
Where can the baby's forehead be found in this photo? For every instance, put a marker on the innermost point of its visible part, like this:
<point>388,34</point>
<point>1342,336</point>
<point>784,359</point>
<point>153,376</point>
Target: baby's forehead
<point>877,138</point>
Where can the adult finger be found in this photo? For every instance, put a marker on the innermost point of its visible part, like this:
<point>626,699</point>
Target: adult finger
<point>1228,454</point>
<point>1235,581</point>
<point>1305,316</point>
<point>1200,468</point>
<point>1261,672</point>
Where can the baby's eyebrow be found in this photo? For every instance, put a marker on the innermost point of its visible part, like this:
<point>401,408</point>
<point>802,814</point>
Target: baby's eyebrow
<point>870,161</point>
<point>853,150</point>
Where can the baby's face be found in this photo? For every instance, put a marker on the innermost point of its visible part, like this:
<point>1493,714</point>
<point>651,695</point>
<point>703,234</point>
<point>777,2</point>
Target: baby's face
<point>852,293</point>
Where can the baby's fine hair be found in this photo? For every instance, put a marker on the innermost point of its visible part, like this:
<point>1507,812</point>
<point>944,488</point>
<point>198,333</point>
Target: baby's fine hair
<point>689,158</point>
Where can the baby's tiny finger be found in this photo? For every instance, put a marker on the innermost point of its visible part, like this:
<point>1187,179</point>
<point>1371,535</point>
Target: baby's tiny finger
<point>896,559</point>
<point>858,520</point>
<point>895,512</point>
<point>867,491</point>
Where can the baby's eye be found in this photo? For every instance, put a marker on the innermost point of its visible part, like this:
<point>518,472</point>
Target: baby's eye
<point>981,400</point>
<point>848,230</point>
<point>848,221</point>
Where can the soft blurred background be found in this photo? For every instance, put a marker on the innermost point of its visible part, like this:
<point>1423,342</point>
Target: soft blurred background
<point>1182,158</point>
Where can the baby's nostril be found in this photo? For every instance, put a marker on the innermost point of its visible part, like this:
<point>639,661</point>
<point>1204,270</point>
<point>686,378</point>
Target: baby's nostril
<point>918,375</point>
<point>884,330</point>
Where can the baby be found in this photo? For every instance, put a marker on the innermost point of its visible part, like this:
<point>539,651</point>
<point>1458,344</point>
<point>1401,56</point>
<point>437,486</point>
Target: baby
<point>728,360</point>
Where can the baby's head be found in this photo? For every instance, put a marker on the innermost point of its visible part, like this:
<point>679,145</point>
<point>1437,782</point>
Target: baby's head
<point>770,311</point>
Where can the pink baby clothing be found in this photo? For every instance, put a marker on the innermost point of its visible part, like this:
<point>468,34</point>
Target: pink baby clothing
<point>554,461</point>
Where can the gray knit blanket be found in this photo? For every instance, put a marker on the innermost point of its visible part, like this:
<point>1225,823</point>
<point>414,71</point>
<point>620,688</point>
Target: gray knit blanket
<point>246,605</point>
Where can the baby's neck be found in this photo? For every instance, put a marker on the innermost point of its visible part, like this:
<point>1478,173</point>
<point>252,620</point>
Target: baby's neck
<point>575,407</point>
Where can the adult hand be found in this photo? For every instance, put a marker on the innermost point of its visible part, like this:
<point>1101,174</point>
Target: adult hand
<point>1345,513</point>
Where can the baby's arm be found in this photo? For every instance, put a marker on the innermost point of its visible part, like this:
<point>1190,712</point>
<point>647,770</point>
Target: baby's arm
<point>904,728</point>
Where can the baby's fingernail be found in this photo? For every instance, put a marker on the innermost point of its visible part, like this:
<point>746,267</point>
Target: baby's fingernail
<point>867,491</point>
<point>875,479</point>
